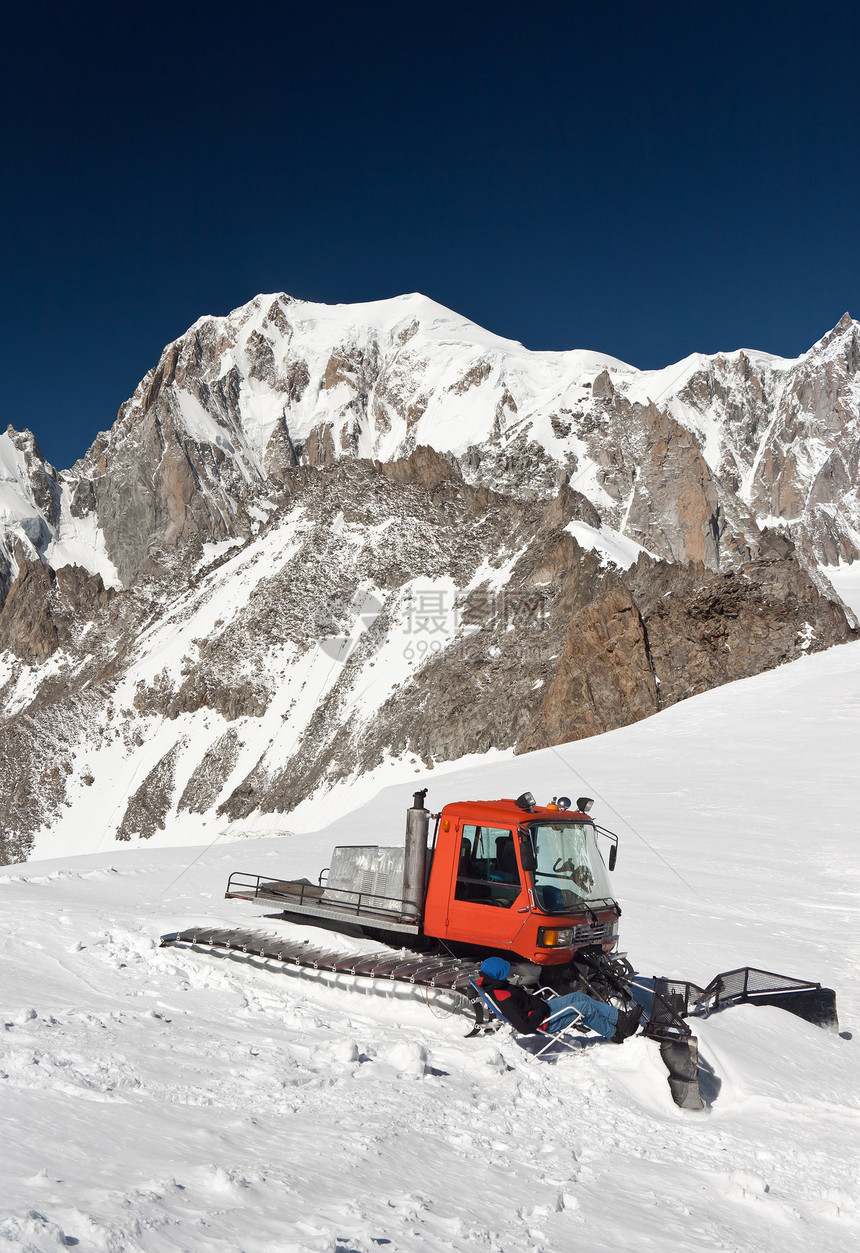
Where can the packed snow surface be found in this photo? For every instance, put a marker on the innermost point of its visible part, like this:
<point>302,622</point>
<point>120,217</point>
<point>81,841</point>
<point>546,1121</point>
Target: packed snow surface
<point>159,1099</point>
<point>846,581</point>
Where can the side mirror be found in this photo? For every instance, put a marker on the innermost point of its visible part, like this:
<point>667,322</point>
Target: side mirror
<point>613,856</point>
<point>528,860</point>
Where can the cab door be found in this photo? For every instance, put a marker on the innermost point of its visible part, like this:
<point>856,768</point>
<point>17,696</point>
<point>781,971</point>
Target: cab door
<point>487,897</point>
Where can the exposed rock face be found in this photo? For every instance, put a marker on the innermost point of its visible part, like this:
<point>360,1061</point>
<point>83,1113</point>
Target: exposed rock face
<point>573,648</point>
<point>207,781</point>
<point>46,608</point>
<point>704,629</point>
<point>807,472</point>
<point>156,489</point>
<point>689,513</point>
<point>149,806</point>
<point>319,539</point>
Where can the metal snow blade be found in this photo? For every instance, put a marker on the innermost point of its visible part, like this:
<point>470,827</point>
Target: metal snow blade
<point>674,1000</point>
<point>749,986</point>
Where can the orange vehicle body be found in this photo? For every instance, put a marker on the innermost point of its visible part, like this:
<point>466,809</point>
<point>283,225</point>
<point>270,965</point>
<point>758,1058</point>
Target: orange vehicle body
<point>519,926</point>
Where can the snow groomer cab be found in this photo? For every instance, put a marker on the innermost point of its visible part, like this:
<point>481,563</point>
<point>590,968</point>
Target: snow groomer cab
<point>517,877</point>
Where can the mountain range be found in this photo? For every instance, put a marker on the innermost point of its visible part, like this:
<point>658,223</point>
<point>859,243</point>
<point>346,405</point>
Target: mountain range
<point>326,545</point>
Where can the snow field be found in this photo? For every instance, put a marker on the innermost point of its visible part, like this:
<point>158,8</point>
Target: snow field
<point>160,1099</point>
<point>846,581</point>
<point>164,1098</point>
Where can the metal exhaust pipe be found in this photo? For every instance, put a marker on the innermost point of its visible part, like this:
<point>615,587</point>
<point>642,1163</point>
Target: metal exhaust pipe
<point>415,858</point>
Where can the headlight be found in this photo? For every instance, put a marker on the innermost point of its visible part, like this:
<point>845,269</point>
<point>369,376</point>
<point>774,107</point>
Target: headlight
<point>555,937</point>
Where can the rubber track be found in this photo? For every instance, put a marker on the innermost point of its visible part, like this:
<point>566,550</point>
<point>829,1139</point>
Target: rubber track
<point>443,973</point>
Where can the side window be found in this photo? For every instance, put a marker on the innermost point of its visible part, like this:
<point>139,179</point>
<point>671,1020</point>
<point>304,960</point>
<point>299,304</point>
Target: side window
<point>487,873</point>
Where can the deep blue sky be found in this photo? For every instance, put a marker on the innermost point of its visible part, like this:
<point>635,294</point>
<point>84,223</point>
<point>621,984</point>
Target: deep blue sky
<point>646,179</point>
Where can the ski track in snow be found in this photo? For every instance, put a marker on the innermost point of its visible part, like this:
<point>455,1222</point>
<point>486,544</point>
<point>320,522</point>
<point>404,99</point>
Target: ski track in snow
<point>165,1099</point>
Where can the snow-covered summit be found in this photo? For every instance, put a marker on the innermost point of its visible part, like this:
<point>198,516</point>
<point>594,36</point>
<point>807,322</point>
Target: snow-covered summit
<point>690,461</point>
<point>750,439</point>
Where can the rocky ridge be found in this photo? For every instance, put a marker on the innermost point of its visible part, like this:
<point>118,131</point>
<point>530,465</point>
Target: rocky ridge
<point>691,461</point>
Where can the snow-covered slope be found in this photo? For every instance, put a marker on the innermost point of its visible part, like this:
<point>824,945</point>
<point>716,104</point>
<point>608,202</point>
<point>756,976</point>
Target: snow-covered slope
<point>157,1099</point>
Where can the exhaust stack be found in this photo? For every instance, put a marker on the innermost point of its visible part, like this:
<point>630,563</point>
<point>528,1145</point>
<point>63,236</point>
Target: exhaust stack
<point>415,858</point>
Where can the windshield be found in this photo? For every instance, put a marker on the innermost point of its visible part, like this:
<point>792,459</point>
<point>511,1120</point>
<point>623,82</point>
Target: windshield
<point>570,869</point>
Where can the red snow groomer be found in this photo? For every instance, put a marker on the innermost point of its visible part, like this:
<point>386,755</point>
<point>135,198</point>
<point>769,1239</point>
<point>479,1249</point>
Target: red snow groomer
<point>505,876</point>
<point>498,878</point>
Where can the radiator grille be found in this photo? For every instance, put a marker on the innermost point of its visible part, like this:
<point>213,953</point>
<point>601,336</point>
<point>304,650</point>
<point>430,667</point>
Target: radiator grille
<point>594,932</point>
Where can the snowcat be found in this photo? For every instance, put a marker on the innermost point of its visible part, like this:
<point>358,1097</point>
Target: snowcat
<point>507,877</point>
<point>499,878</point>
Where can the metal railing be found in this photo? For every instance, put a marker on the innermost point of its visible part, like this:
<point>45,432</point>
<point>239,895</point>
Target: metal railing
<point>304,894</point>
